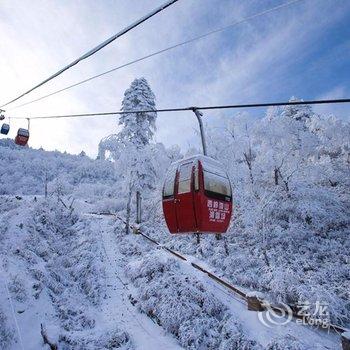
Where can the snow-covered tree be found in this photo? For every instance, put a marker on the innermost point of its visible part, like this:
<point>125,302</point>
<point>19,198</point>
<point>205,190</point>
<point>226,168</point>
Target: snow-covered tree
<point>109,148</point>
<point>138,127</point>
<point>135,151</point>
<point>140,163</point>
<point>291,202</point>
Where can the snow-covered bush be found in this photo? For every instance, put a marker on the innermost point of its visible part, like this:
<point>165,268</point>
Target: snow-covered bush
<point>53,258</point>
<point>182,305</point>
<point>6,332</point>
<point>72,254</point>
<point>286,342</point>
<point>17,289</point>
<point>114,339</point>
<point>28,171</point>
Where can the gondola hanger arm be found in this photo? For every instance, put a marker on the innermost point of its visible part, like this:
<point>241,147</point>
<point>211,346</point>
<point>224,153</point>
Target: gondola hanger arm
<point>199,115</point>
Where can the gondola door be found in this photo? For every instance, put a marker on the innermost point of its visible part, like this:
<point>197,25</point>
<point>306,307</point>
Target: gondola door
<point>169,201</point>
<point>184,199</point>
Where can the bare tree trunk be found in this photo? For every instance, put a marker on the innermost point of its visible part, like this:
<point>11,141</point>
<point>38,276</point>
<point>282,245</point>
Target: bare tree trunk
<point>46,340</point>
<point>138,207</point>
<point>276,176</point>
<point>248,159</point>
<point>45,183</point>
<point>226,246</point>
<point>128,210</point>
<point>265,257</point>
<point>285,182</point>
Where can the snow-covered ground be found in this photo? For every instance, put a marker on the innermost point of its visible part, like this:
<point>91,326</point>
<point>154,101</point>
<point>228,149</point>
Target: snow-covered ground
<point>117,307</point>
<point>93,286</point>
<point>128,294</point>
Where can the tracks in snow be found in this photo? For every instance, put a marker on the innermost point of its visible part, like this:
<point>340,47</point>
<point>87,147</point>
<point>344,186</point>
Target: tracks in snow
<point>117,308</point>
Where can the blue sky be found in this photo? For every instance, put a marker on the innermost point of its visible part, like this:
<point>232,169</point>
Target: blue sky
<point>302,50</point>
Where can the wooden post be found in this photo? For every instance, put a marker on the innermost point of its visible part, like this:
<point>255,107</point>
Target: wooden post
<point>255,301</point>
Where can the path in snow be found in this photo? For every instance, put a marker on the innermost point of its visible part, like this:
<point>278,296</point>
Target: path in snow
<point>148,335</point>
<point>117,308</point>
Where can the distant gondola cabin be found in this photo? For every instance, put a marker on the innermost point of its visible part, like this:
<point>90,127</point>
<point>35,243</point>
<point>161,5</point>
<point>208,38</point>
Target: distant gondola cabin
<point>197,196</point>
<point>22,137</point>
<point>5,128</point>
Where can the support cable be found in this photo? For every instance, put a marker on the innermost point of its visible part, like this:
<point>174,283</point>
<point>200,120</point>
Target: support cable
<point>97,48</point>
<point>181,109</point>
<point>202,36</point>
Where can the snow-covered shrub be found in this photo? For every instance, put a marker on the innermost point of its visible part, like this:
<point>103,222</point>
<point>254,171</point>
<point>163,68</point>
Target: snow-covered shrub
<point>28,171</point>
<point>114,339</point>
<point>17,289</point>
<point>62,260</point>
<point>110,205</point>
<point>182,305</point>
<point>6,332</point>
<point>287,342</point>
<point>232,337</point>
<point>71,250</point>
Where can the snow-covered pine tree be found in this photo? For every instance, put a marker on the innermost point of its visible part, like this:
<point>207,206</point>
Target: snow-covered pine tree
<point>138,128</point>
<point>135,137</point>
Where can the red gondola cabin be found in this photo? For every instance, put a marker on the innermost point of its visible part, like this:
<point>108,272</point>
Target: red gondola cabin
<point>197,196</point>
<point>22,137</point>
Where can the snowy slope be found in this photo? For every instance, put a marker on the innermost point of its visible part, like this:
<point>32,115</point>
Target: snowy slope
<point>117,307</point>
<point>197,311</point>
<point>128,293</point>
<point>53,267</point>
<point>94,287</point>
